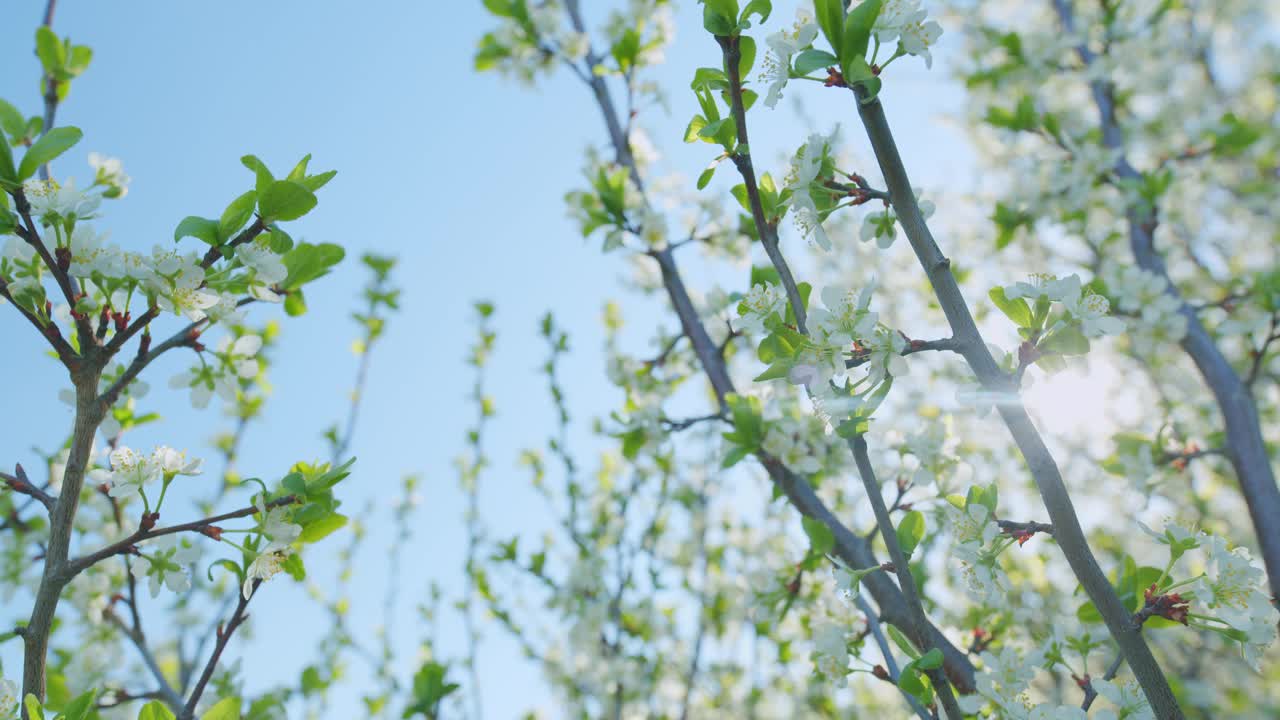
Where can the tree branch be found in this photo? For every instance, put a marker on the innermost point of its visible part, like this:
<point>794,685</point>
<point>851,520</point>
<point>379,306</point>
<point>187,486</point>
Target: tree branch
<point>742,160</point>
<point>84,562</point>
<point>1040,461</point>
<point>223,635</point>
<point>851,548</point>
<point>20,483</point>
<point>901,564</point>
<point>1247,450</point>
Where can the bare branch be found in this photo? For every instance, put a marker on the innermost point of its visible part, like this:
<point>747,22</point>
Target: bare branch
<point>20,483</point>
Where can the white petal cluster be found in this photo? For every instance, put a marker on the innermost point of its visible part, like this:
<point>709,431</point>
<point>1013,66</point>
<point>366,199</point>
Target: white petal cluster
<point>783,45</point>
<point>806,165</point>
<point>234,361</point>
<point>905,21</point>
<point>1159,319</point>
<point>131,471</point>
<point>165,564</point>
<point>805,445</point>
<point>763,302</point>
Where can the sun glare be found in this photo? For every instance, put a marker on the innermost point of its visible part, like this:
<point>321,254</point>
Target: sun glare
<point>1081,404</point>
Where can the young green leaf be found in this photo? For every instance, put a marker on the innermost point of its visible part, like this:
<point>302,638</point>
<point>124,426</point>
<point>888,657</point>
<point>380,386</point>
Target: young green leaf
<point>225,709</point>
<point>911,531</point>
<point>857,29</point>
<point>1016,309</point>
<point>155,710</point>
<point>199,228</point>
<point>830,15</point>
<point>821,539</point>
<point>54,143</point>
<point>285,200</point>
<point>814,59</point>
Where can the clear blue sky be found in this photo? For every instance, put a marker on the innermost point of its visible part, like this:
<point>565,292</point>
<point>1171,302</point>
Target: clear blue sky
<point>460,175</point>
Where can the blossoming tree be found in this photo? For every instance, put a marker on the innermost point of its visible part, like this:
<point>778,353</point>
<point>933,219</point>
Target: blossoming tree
<point>1128,173</point>
<point>89,538</point>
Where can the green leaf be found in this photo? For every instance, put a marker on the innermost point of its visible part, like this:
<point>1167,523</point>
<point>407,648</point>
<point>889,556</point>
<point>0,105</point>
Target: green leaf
<point>692,130</point>
<point>225,709</point>
<point>901,641</point>
<point>285,200</point>
<point>315,182</point>
<point>1016,309</point>
<point>747,50</point>
<point>830,15</point>
<point>707,174</point>
<point>50,50</point>
<point>81,56</point>
<point>776,371</point>
<point>759,7</point>
<point>910,681</point>
<point>295,303</point>
<point>155,710</point>
<point>237,214</point>
<point>1066,341</point>
<point>857,29</point>
<point>307,262</point>
<point>12,122</point>
<point>716,22</point>
<point>931,660</point>
<point>821,539</point>
<point>54,143</point>
<point>323,528</point>
<point>34,711</point>
<point>293,565</point>
<point>260,171</point>
<point>7,170</point>
<point>911,531</point>
<point>814,59</point>
<point>199,228</point>
<point>81,707</point>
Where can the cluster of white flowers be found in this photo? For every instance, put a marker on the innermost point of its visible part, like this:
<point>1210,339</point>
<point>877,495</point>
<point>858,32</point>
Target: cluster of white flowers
<point>974,530</point>
<point>783,45</point>
<point>882,225</point>
<point>805,445</point>
<point>8,697</point>
<point>176,280</point>
<point>926,446</point>
<point>1158,314</point>
<point>131,472</point>
<point>165,563</point>
<point>846,319</point>
<point>266,268</point>
<point>806,165</point>
<point>1087,308</point>
<point>234,361</point>
<point>904,21</point>
<point>109,173</point>
<point>761,303</point>
<point>1234,590</point>
<point>60,204</point>
<point>274,524</point>
<point>836,625</point>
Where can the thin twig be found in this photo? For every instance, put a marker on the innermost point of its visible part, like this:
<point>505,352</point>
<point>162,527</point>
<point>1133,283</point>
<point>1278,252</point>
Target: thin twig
<point>223,637</point>
<point>78,565</point>
<point>20,483</point>
<point>902,566</point>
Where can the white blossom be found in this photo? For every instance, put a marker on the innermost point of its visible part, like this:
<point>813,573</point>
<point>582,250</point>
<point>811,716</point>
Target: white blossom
<point>782,46</point>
